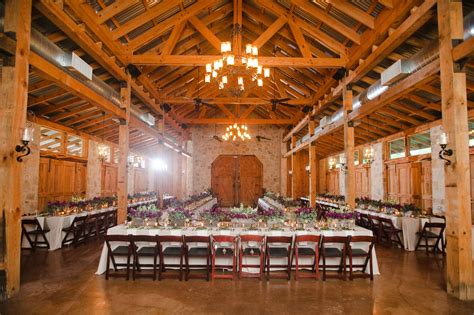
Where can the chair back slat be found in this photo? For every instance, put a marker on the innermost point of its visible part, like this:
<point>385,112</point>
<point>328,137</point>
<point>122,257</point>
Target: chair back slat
<point>335,239</point>
<point>307,238</point>
<point>362,239</point>
<point>279,239</point>
<point>223,238</point>
<point>170,239</point>
<point>197,239</point>
<point>252,238</point>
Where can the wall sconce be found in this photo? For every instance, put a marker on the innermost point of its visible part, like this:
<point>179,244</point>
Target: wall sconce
<point>343,163</point>
<point>308,169</point>
<point>130,160</point>
<point>290,172</point>
<point>102,151</point>
<point>369,155</point>
<point>26,137</point>
<point>332,163</point>
<point>443,143</point>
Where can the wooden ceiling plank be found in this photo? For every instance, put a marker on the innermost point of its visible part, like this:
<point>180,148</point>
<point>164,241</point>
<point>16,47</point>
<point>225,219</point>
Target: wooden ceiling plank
<point>354,12</point>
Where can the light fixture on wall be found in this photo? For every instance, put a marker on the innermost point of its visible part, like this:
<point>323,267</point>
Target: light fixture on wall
<point>332,163</point>
<point>443,143</point>
<point>26,137</point>
<point>343,163</point>
<point>369,155</point>
<point>308,169</point>
<point>102,149</point>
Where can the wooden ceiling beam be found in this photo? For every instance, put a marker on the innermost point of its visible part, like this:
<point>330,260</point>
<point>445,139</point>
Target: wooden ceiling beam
<point>248,121</point>
<point>295,29</point>
<point>113,9</point>
<point>270,31</point>
<point>354,12</point>
<point>173,38</point>
<point>202,60</point>
<point>206,32</point>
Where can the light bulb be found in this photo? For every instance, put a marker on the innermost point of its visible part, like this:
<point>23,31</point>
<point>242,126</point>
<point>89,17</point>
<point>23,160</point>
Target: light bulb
<point>214,74</point>
<point>221,85</point>
<point>254,50</point>
<point>230,60</point>
<point>259,70</point>
<point>208,68</point>
<point>240,81</point>
<point>248,49</point>
<point>266,72</point>
<point>216,65</point>
<point>259,82</point>
<point>207,78</point>
<point>224,79</point>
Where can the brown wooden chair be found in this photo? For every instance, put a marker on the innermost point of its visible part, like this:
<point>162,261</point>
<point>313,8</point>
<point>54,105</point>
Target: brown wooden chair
<point>102,223</point>
<point>76,232</point>
<point>374,226</point>
<point>92,225</point>
<point>334,252</point>
<point>171,246</point>
<point>123,249</point>
<point>432,231</point>
<point>281,249</point>
<point>364,221</point>
<point>389,233</point>
<point>34,233</point>
<point>197,252</point>
<point>111,218</point>
<point>223,246</point>
<point>300,249</point>
<point>145,246</point>
<point>363,254</point>
<point>252,251</point>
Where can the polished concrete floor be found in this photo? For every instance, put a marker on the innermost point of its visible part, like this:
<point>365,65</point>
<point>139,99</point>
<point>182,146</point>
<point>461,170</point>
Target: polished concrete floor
<point>63,282</point>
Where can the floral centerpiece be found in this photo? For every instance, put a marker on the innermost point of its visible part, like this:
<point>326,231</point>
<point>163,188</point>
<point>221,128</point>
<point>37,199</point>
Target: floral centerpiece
<point>363,202</point>
<point>306,214</point>
<point>145,212</point>
<point>409,209</point>
<point>242,212</point>
<point>179,215</point>
<point>270,214</point>
<point>214,214</point>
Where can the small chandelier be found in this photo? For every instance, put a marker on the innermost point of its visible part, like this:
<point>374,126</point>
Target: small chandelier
<point>102,151</point>
<point>234,132</point>
<point>369,155</point>
<point>230,72</point>
<point>332,163</point>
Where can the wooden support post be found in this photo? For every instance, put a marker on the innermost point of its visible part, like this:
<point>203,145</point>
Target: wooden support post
<point>313,167</point>
<point>13,101</point>
<point>457,178</point>
<point>122,178</point>
<point>349,149</point>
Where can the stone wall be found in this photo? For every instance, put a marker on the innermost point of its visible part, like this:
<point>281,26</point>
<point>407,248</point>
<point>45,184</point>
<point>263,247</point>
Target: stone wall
<point>284,171</point>
<point>377,169</point>
<point>342,177</point>
<point>94,171</point>
<point>189,169</point>
<point>206,150</point>
<point>437,172</point>
<point>30,174</point>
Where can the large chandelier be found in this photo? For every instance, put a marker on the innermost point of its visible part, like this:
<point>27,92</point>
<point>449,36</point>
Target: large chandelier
<point>234,132</point>
<point>233,73</point>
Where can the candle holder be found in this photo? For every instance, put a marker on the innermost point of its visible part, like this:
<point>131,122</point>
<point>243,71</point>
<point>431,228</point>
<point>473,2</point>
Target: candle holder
<point>26,137</point>
<point>443,143</point>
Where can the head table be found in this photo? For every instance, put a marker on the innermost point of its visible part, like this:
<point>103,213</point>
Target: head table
<point>126,230</point>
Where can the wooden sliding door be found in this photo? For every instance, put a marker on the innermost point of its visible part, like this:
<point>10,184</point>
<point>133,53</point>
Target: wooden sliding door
<point>237,179</point>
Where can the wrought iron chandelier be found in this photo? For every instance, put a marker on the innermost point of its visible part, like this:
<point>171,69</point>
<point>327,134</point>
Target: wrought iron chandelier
<point>234,73</point>
<point>234,132</point>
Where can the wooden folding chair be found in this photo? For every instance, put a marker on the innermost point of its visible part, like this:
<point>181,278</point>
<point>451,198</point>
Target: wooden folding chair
<point>223,246</point>
<point>389,233</point>
<point>76,232</point>
<point>171,246</point>
<point>432,231</point>
<point>121,250</point>
<point>197,252</point>
<point>145,246</point>
<point>334,252</point>
<point>252,246</point>
<point>361,253</point>
<point>303,250</point>
<point>282,249</point>
<point>31,229</point>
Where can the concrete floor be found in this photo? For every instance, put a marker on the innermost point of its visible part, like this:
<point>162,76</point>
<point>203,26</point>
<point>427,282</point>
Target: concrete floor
<point>63,282</point>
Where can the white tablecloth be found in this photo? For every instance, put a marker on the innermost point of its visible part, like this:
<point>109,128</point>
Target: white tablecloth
<point>409,226</point>
<point>56,224</point>
<point>123,230</point>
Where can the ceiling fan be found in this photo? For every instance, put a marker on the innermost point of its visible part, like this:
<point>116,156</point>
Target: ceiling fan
<point>278,101</point>
<point>198,102</point>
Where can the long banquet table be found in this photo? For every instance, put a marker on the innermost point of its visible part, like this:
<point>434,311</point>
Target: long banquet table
<point>126,230</point>
<point>56,224</point>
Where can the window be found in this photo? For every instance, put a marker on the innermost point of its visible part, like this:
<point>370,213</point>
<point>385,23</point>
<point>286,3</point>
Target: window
<point>51,140</point>
<point>75,146</point>
<point>356,157</point>
<point>397,148</point>
<point>419,143</point>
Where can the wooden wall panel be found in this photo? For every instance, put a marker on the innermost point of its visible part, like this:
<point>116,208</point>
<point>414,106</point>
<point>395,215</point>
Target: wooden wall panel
<point>362,180</point>
<point>333,182</point>
<point>60,180</point>
<point>426,185</point>
<point>109,179</point>
<point>140,179</point>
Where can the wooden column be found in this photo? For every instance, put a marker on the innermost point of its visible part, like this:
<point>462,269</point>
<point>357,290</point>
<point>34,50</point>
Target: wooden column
<point>313,167</point>
<point>457,181</point>
<point>349,149</point>
<point>159,175</point>
<point>294,170</point>
<point>13,102</point>
<point>122,178</point>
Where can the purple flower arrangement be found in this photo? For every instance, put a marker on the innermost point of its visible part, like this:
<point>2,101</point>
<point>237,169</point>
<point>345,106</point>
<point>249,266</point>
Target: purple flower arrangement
<point>270,213</point>
<point>144,213</point>
<point>306,213</point>
<point>180,214</point>
<point>197,197</point>
<point>340,215</point>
